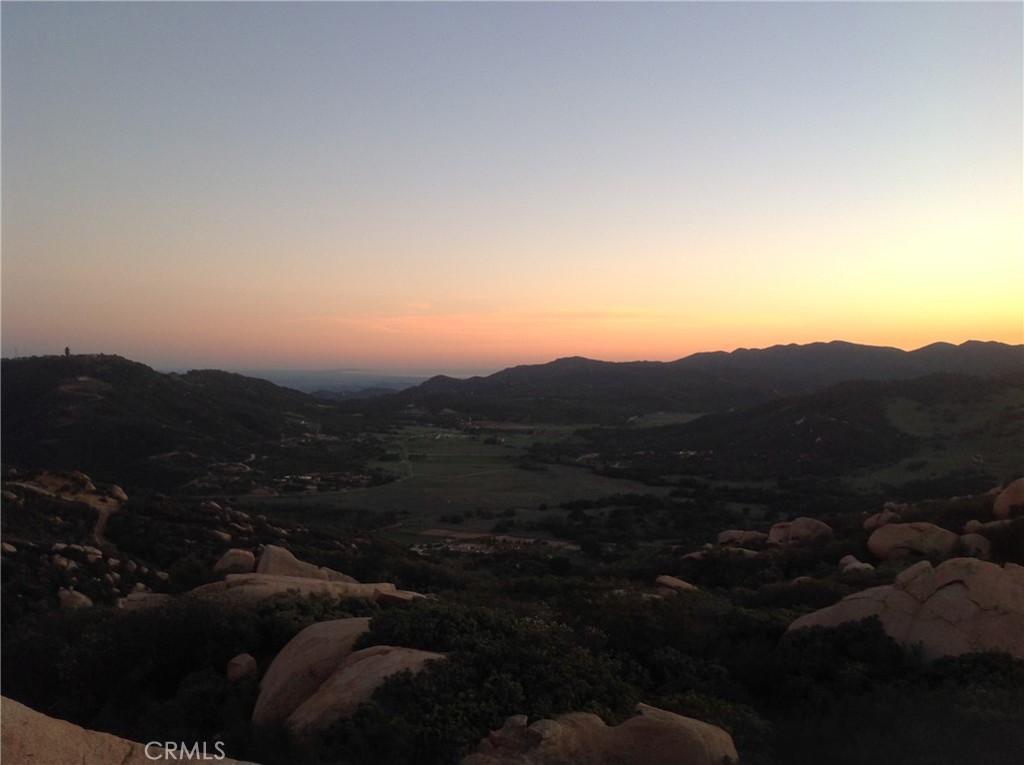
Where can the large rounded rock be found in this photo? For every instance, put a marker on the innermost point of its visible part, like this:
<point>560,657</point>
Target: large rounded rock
<point>242,667</point>
<point>235,561</point>
<point>672,584</point>
<point>301,667</point>
<point>30,737</point>
<point>353,683</point>
<point>1010,499</point>
<point>741,538</point>
<point>976,546</point>
<point>72,599</point>
<point>654,737</point>
<point>278,561</point>
<point>895,541</point>
<point>253,588</point>
<point>963,605</point>
<point>878,520</point>
<point>798,532</point>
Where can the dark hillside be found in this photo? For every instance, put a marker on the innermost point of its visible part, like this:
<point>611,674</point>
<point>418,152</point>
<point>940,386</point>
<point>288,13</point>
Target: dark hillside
<point>836,432</point>
<point>113,417</point>
<point>796,367</point>
<point>583,390</point>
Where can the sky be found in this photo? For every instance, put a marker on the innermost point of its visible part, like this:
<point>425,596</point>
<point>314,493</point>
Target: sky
<point>437,187</point>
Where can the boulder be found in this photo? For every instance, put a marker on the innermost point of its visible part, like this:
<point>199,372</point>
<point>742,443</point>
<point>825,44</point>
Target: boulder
<point>850,563</point>
<point>977,527</point>
<point>242,667</point>
<point>253,588</point>
<point>393,597</point>
<point>654,737</point>
<point>895,541</point>
<point>879,519</point>
<point>70,598</point>
<point>672,584</point>
<point>353,683</point>
<point>278,561</point>
<point>740,538</point>
<point>31,737</point>
<point>299,669</point>
<point>235,561</point>
<point>798,532</point>
<point>1009,499</point>
<point>975,546</point>
<point>963,605</point>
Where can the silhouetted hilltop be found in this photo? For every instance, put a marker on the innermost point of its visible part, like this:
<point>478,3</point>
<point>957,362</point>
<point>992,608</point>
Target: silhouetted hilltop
<point>818,364</point>
<point>110,416</point>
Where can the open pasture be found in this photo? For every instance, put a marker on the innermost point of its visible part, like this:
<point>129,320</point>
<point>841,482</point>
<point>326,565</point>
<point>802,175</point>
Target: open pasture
<point>479,478</point>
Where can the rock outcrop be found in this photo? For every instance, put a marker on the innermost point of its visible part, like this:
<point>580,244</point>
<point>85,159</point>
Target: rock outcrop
<point>252,588</point>
<point>71,599</point>
<point>895,541</point>
<point>850,563</point>
<point>242,667</point>
<point>71,487</point>
<point>353,683</point>
<point>670,585</point>
<point>878,520</point>
<point>278,561</point>
<point>976,546</point>
<point>301,667</point>
<point>962,605</point>
<point>31,737</point>
<point>798,532</point>
<point>740,538</point>
<point>1009,499</point>
<point>235,561</point>
<point>979,527</point>
<point>654,737</point>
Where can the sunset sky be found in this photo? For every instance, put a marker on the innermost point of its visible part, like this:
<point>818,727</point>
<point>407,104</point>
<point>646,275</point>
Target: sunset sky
<point>469,186</point>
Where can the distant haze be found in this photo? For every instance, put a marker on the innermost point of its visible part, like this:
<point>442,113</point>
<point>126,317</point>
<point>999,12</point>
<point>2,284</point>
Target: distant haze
<point>310,381</point>
<point>471,186</point>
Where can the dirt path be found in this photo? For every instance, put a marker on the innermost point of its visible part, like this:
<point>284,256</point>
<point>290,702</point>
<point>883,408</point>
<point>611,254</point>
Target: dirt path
<point>103,513</point>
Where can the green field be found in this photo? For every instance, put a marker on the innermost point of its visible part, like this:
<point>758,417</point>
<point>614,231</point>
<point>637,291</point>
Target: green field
<point>441,473</point>
<point>982,434</point>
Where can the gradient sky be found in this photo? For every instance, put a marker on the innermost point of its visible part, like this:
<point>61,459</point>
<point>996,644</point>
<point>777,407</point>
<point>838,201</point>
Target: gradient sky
<point>446,186</point>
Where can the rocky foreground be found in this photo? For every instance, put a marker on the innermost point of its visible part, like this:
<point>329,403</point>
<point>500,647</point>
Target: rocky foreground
<point>949,594</point>
<point>29,737</point>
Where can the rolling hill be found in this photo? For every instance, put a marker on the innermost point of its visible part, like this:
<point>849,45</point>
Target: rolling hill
<point>929,435</point>
<point>120,420</point>
<point>583,390</point>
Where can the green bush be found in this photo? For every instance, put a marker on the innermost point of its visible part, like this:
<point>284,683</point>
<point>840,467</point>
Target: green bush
<point>498,665</point>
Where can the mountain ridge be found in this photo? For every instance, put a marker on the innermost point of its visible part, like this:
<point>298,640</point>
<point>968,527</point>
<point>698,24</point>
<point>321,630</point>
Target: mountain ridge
<point>702,382</point>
